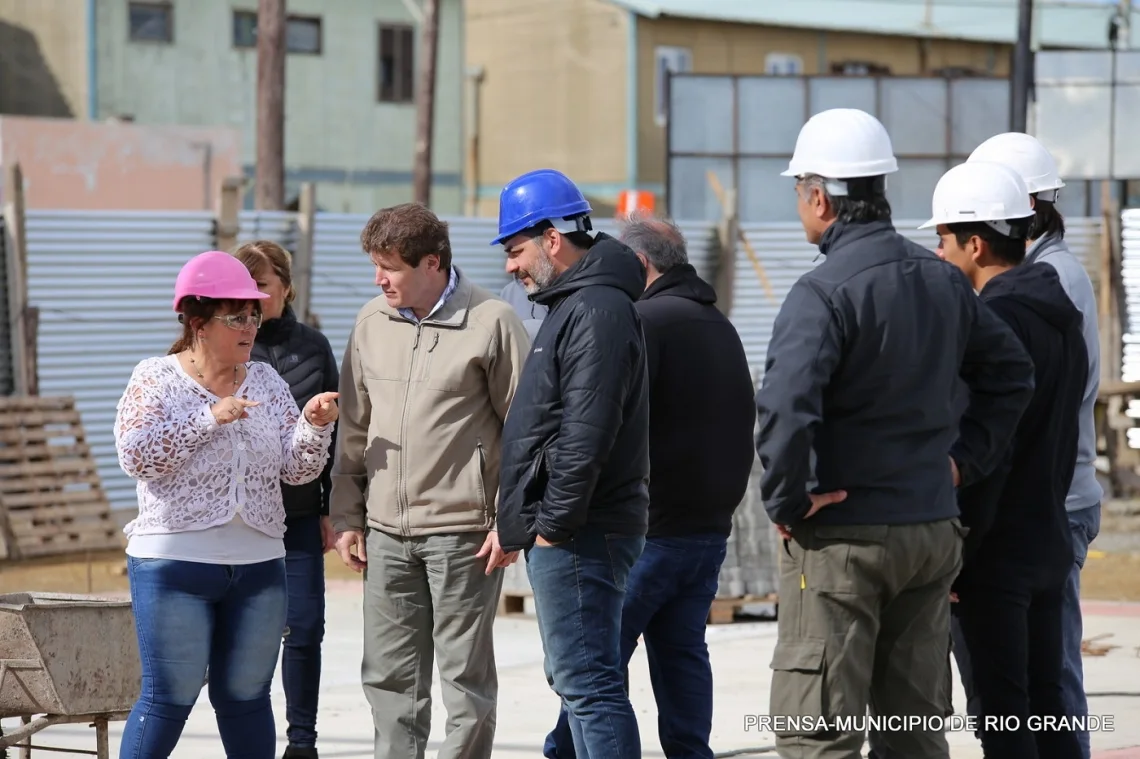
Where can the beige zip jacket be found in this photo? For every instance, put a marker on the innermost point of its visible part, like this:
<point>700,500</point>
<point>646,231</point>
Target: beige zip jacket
<point>421,415</point>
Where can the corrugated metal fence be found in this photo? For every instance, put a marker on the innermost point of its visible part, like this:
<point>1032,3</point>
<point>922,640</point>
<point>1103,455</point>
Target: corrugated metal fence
<point>343,277</point>
<point>103,282</point>
<point>786,255</point>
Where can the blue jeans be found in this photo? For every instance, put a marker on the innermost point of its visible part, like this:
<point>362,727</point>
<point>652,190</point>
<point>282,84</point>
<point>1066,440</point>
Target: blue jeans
<point>579,589</point>
<point>1085,525</point>
<point>667,600</point>
<point>305,628</point>
<point>189,616</point>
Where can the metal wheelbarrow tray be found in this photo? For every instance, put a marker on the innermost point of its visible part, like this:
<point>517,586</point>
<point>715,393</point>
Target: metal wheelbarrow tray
<point>70,658</point>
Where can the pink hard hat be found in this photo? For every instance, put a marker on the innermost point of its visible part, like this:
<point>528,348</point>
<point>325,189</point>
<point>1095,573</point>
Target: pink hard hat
<point>216,275</point>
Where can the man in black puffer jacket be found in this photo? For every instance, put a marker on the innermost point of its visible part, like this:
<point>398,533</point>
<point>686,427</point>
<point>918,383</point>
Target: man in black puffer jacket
<point>574,490</point>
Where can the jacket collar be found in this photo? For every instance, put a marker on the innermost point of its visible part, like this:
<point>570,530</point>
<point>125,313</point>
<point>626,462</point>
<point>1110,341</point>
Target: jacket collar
<point>1043,246</point>
<point>843,233</point>
<point>274,331</point>
<point>453,313</point>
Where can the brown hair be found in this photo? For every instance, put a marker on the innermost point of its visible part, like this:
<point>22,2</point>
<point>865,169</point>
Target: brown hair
<point>193,312</point>
<point>263,256</point>
<point>410,230</point>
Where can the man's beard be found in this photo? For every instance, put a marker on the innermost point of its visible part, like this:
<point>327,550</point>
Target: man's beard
<point>542,275</point>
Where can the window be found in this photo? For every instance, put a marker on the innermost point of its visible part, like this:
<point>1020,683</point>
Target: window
<point>677,60</point>
<point>302,33</point>
<point>859,68</point>
<point>783,64</point>
<point>150,22</point>
<point>396,64</point>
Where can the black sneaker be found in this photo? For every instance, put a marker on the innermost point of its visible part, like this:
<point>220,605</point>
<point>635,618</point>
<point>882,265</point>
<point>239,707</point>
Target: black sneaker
<point>300,752</point>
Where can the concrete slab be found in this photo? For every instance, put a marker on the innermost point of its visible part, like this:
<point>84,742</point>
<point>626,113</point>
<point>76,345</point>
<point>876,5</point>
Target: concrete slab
<point>740,655</point>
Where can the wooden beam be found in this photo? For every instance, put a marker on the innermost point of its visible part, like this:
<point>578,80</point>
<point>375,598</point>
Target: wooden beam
<point>269,194</point>
<point>425,104</point>
<point>17,269</point>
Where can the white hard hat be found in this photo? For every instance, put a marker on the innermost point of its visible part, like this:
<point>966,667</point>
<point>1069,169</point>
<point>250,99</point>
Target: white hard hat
<point>1026,155</point>
<point>980,191</point>
<point>842,143</point>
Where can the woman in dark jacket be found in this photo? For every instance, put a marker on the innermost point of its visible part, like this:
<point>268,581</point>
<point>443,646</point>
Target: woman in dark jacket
<point>303,357</point>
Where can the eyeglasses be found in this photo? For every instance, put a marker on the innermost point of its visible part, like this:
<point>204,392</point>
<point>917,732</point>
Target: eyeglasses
<point>240,321</point>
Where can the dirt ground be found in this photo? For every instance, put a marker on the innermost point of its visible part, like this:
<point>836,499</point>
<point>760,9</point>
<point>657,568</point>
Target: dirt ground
<point>1107,577</point>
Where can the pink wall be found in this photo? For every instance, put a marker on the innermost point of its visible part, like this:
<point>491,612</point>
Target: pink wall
<point>80,165</point>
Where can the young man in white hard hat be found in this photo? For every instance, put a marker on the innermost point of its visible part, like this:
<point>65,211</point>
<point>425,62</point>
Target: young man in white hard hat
<point>1019,551</point>
<point>862,369</point>
<point>1026,155</point>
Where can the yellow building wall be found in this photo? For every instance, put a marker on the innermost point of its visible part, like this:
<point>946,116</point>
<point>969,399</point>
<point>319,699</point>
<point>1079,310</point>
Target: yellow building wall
<point>554,91</point>
<point>720,48</point>
<point>43,58</point>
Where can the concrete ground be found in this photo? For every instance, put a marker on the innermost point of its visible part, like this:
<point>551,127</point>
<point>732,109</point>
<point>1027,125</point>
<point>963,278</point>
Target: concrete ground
<point>740,655</point>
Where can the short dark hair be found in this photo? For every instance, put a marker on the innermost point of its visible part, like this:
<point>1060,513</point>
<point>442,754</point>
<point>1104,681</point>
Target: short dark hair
<point>868,201</point>
<point>194,311</point>
<point>1010,250</point>
<point>1047,220</point>
<point>582,240</point>
<point>411,231</point>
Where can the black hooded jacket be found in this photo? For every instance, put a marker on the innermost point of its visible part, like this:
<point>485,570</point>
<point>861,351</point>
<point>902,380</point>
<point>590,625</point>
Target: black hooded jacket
<point>1017,518</point>
<point>304,359</point>
<point>701,408</point>
<point>575,449</point>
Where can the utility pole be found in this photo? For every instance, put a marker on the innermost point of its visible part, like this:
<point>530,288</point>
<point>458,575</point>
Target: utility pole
<point>425,103</point>
<point>1022,66</point>
<point>269,193</point>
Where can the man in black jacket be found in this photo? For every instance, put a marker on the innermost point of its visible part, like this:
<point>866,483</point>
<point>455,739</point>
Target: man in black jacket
<point>701,422</point>
<point>1019,550</point>
<point>575,454</point>
<point>861,373</point>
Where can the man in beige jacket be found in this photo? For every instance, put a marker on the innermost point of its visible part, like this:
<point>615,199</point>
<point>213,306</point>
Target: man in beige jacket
<point>430,370</point>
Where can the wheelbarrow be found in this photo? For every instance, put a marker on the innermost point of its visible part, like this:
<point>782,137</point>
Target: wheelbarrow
<point>66,659</point>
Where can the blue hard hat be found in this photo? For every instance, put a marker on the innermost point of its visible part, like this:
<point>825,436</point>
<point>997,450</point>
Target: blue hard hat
<point>534,197</point>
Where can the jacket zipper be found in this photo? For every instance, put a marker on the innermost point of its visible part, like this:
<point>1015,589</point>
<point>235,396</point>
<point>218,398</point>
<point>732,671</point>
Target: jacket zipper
<point>402,479</point>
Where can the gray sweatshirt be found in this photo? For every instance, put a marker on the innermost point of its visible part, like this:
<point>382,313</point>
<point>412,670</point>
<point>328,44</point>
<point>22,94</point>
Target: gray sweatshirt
<point>1085,492</point>
<point>531,313</point>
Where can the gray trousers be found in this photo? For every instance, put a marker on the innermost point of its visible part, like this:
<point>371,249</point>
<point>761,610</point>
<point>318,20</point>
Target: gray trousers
<point>864,625</point>
<point>423,596</point>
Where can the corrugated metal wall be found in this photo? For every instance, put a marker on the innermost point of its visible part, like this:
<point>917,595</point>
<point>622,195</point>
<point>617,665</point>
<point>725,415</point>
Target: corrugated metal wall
<point>103,282</point>
<point>785,256</point>
<point>343,277</point>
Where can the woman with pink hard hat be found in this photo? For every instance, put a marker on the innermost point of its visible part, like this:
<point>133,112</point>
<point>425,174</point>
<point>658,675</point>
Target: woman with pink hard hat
<point>209,436</point>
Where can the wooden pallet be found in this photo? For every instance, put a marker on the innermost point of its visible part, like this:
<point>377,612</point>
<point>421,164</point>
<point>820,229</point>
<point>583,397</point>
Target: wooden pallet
<point>512,603</point>
<point>724,610</point>
<point>51,497</point>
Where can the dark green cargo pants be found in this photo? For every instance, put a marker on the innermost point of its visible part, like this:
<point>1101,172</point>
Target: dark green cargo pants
<point>864,626</point>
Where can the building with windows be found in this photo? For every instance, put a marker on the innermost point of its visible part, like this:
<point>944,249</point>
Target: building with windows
<point>350,81</point>
<point>599,83</point>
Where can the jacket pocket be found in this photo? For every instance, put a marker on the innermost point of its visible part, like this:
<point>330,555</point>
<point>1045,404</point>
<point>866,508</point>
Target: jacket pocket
<point>841,559</point>
<point>534,486</point>
<point>480,475</point>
